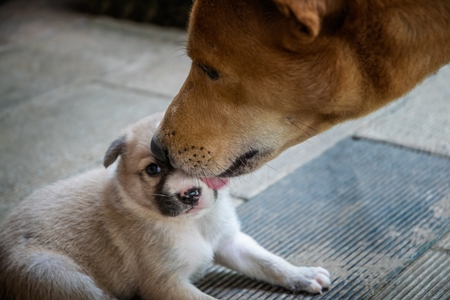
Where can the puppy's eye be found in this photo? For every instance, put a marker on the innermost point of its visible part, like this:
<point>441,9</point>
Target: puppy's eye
<point>213,74</point>
<point>152,169</point>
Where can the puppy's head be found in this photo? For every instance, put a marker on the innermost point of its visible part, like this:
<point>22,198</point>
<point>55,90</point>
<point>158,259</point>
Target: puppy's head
<point>155,184</point>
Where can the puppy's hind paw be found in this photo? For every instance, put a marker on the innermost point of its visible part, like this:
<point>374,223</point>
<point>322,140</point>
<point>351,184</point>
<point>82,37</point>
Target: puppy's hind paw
<point>311,279</point>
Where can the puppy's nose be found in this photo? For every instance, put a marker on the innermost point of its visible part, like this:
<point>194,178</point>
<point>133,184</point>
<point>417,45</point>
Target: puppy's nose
<point>191,196</point>
<point>158,151</point>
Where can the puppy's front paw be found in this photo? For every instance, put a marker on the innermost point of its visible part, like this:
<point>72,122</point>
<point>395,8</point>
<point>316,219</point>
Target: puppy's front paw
<point>310,279</point>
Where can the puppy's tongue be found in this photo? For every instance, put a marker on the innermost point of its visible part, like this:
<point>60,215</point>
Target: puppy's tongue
<point>215,183</point>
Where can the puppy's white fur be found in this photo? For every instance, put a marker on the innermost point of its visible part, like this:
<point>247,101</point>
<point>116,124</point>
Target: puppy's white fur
<point>121,232</point>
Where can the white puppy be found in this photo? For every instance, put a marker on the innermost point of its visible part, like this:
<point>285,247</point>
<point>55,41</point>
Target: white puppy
<point>140,228</point>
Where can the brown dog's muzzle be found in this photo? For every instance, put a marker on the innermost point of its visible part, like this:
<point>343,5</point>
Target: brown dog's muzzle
<point>237,167</point>
<point>223,145</point>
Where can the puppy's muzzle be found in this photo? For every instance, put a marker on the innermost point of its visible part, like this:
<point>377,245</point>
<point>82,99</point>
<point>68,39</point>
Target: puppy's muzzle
<point>191,196</point>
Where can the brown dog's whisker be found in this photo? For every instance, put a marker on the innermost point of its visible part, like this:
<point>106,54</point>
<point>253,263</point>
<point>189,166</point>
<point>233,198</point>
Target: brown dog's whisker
<point>276,170</point>
<point>178,56</point>
<point>181,43</point>
<point>161,195</point>
<point>221,168</point>
<point>297,126</point>
<point>243,163</point>
<point>311,128</point>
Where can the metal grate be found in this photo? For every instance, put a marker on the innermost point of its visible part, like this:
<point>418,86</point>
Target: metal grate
<point>363,210</point>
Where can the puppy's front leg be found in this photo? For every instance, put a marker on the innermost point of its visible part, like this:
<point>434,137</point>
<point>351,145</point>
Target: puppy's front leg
<point>245,255</point>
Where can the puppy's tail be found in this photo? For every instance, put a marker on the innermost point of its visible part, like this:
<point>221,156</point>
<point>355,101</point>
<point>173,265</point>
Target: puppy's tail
<point>43,274</point>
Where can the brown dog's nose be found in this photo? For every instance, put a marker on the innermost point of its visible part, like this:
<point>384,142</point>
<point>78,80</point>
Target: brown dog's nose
<point>158,151</point>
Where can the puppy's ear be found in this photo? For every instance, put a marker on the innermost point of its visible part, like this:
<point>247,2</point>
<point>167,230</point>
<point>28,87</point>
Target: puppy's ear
<point>117,148</point>
<point>308,13</point>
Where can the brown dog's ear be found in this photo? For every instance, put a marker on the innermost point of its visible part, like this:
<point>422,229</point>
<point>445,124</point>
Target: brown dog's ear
<point>117,147</point>
<point>308,13</point>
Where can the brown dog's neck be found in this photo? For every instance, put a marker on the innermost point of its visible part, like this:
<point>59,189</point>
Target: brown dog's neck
<point>384,47</point>
<point>395,43</point>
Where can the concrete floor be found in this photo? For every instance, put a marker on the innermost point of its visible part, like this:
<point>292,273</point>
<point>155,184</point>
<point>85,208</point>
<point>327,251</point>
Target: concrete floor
<point>70,82</point>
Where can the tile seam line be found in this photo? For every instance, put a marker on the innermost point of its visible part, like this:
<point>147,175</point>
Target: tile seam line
<point>44,36</point>
<point>415,259</point>
<point>70,86</point>
<point>359,137</point>
<point>138,91</point>
<point>422,271</point>
<point>441,250</point>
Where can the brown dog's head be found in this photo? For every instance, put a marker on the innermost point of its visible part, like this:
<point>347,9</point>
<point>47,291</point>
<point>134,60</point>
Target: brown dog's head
<point>265,75</point>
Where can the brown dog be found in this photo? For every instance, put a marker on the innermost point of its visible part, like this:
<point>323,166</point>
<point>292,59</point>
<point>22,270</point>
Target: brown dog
<point>269,74</point>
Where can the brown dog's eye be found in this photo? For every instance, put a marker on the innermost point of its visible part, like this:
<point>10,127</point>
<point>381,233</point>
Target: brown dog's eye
<point>210,72</point>
<point>152,169</point>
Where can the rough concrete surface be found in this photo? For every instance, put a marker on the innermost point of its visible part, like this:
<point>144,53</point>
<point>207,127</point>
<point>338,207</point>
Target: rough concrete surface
<point>69,82</point>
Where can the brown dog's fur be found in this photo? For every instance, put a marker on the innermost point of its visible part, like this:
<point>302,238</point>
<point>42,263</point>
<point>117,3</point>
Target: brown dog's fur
<point>267,75</point>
